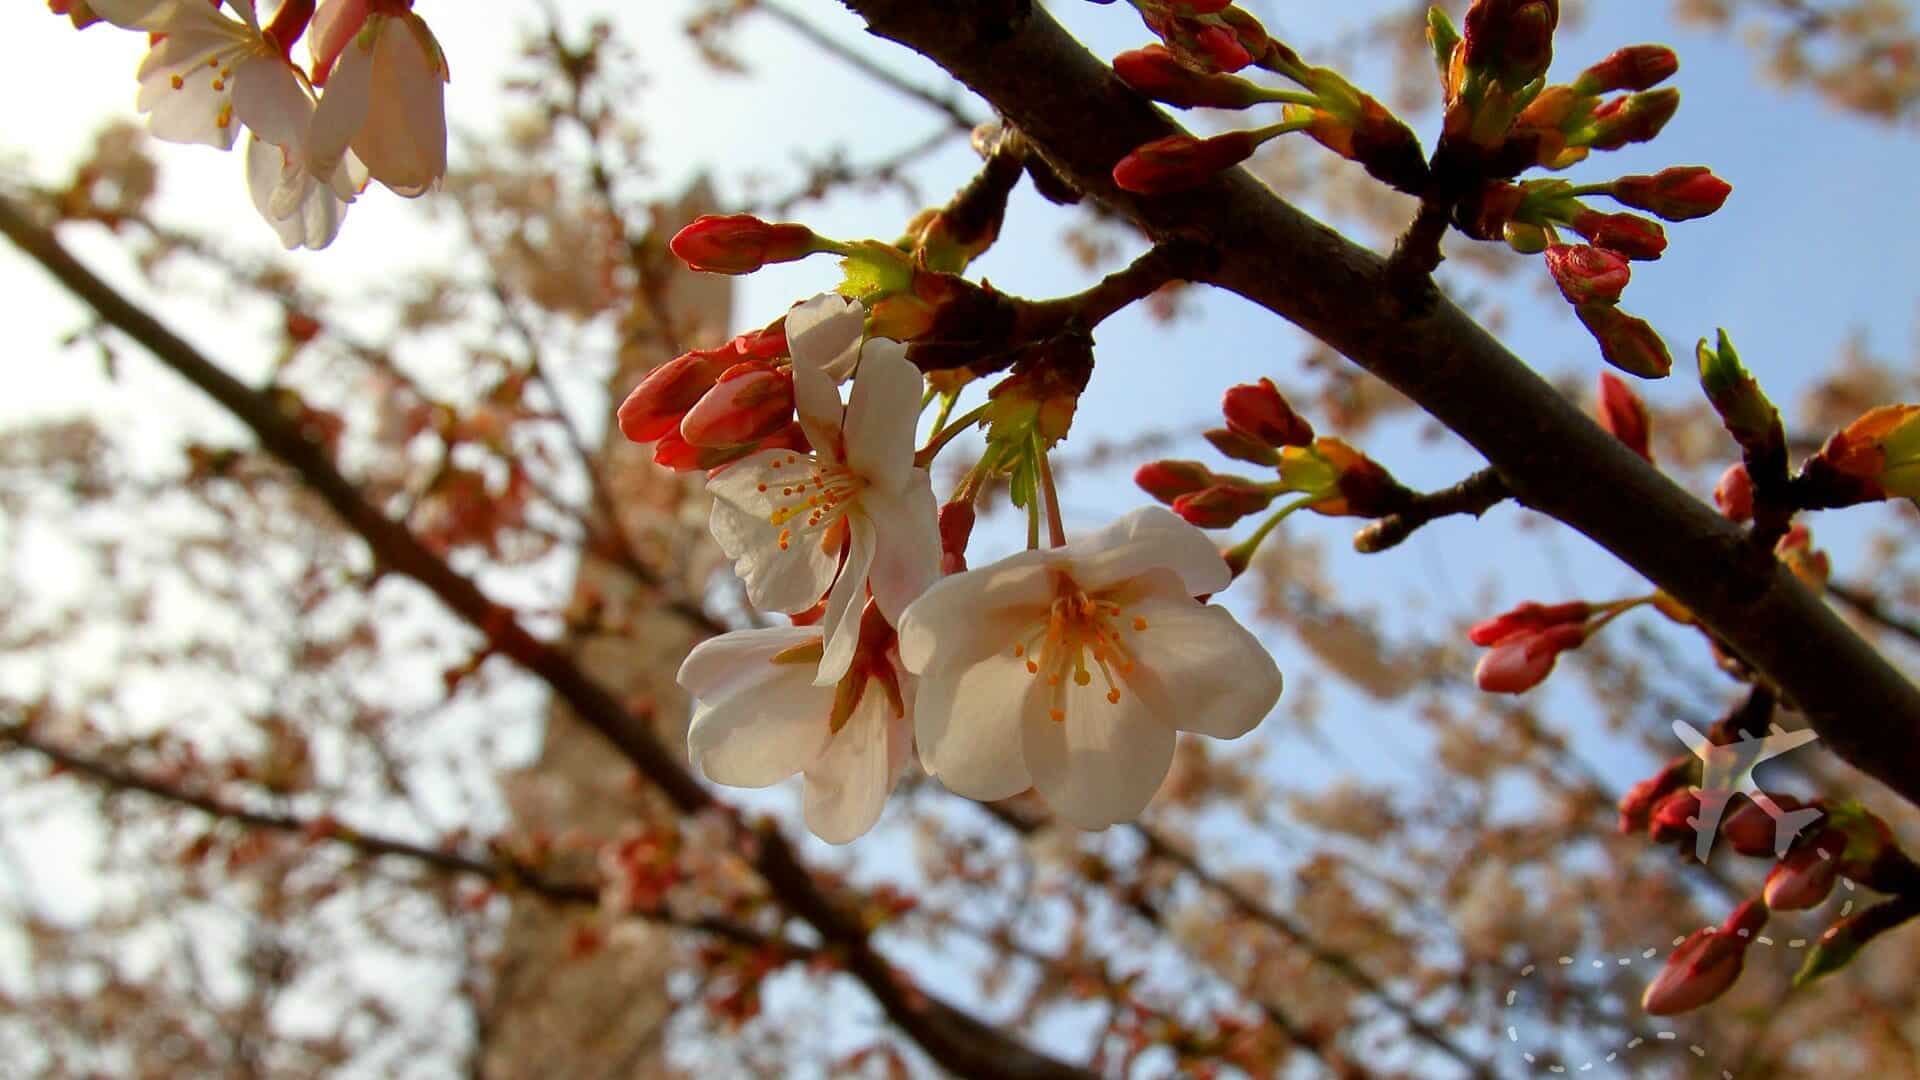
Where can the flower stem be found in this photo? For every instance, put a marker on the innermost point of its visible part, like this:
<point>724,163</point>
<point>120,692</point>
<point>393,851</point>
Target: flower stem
<point>1056,528</point>
<point>947,432</point>
<point>1240,555</point>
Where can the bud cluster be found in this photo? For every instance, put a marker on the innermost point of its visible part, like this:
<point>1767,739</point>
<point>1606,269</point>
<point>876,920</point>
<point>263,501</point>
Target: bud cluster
<point>1204,44</point>
<point>709,407</point>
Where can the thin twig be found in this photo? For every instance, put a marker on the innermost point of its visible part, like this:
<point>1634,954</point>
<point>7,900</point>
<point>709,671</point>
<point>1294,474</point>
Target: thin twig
<point>1475,495</point>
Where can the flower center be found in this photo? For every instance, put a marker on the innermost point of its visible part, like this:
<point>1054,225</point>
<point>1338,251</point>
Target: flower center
<point>1082,636</point>
<point>812,498</point>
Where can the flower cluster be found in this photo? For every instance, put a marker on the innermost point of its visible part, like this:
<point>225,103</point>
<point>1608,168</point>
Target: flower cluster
<point>214,69</point>
<point>1067,669</point>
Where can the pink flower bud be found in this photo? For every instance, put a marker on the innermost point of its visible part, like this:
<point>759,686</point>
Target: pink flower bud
<point>1528,618</point>
<point>1624,415</point>
<point>1750,830</point>
<point>1705,964</point>
<point>1681,193</point>
<point>1222,505</point>
<point>1587,274</point>
<point>1241,447</point>
<point>1179,162</point>
<point>1625,234</point>
<point>1636,806</point>
<point>1156,73</point>
<point>1168,480</point>
<point>668,391</point>
<point>1521,663</point>
<point>1626,341</point>
<point>1636,67</point>
<point>751,401</point>
<point>740,243</point>
<point>671,451</point>
<point>1807,875</point>
<point>1734,493</point>
<point>1258,411</point>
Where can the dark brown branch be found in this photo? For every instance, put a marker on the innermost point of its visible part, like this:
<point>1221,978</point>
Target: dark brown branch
<point>1553,457</point>
<point>1475,495</point>
<point>957,1040</point>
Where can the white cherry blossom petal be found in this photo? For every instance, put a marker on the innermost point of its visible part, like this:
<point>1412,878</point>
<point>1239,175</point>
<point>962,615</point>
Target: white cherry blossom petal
<point>270,99</point>
<point>824,334</point>
<point>1182,651</point>
<point>907,559</point>
<point>757,722</point>
<point>403,139</point>
<point>968,721</point>
<point>964,617</point>
<point>1151,536</point>
<point>1102,763</point>
<point>817,402</point>
<point>841,623</point>
<point>883,412</point>
<point>848,785</point>
<point>343,110</point>
<point>301,210</point>
<point>787,579</point>
<point>149,15</point>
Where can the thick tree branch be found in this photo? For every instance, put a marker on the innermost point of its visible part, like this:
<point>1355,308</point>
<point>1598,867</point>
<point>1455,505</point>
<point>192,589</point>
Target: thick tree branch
<point>956,1039</point>
<point>1556,460</point>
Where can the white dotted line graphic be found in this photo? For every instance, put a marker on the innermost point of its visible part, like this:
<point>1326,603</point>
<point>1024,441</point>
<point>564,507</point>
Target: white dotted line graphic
<point>1698,1051</point>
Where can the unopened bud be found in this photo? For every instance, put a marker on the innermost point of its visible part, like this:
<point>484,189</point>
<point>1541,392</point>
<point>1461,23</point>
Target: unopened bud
<point>1750,830</point>
<point>1672,818</point>
<point>956,529</point>
<point>1525,238</point>
<point>740,243</point>
<point>1520,663</point>
<point>1734,493</point>
<point>1241,447</point>
<point>1513,39</point>
<point>1587,274</point>
<point>1636,806</point>
<point>1626,341</point>
<point>1528,618</point>
<point>1633,119</point>
<point>1626,234</point>
<point>1168,480</point>
<point>1624,415</point>
<point>1681,193</point>
<point>1806,877</point>
<point>668,391</point>
<point>1705,964</point>
<point>1844,939</point>
<point>1222,505</point>
<point>1636,67</point>
<point>1155,72</point>
<point>1179,162</point>
<point>1259,411</point>
<point>1880,450</point>
<point>750,402</point>
<point>671,451</point>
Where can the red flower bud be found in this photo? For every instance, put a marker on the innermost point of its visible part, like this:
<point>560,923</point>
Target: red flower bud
<point>956,529</point>
<point>740,243</point>
<point>1626,234</point>
<point>1224,47</point>
<point>1750,829</point>
<point>1528,618</point>
<point>1242,448</point>
<point>1734,493</point>
<point>1156,73</point>
<point>750,402</point>
<point>1636,806</point>
<point>1624,415</point>
<point>1178,162</point>
<point>1626,341</point>
<point>673,452</point>
<point>1258,411</point>
<point>668,391</point>
<point>1705,964</point>
<point>1168,480</point>
<point>1807,875</point>
<point>1520,663</point>
<point>1633,119</point>
<point>1587,274</point>
<point>767,344</point>
<point>1672,818</point>
<point>1222,505</point>
<point>1511,38</point>
<point>1636,67</point>
<point>1681,193</point>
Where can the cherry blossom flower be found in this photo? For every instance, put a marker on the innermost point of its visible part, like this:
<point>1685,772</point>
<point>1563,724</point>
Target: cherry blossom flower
<point>761,718</point>
<point>385,80</point>
<point>1070,669</point>
<point>785,517</point>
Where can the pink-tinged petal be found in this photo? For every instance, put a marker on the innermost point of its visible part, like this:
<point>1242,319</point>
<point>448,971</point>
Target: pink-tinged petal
<point>776,579</point>
<point>1196,668</point>
<point>342,112</point>
<point>841,623</point>
<point>824,333</point>
<point>200,108</point>
<point>334,24</point>
<point>1149,537</point>
<point>270,100</point>
<point>1101,765</point>
<point>757,722</point>
<point>848,785</point>
<point>971,614</point>
<point>968,719</point>
<point>817,402</point>
<point>883,412</point>
<point>907,559</point>
<point>404,139</point>
<point>301,211</point>
<point>735,662</point>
